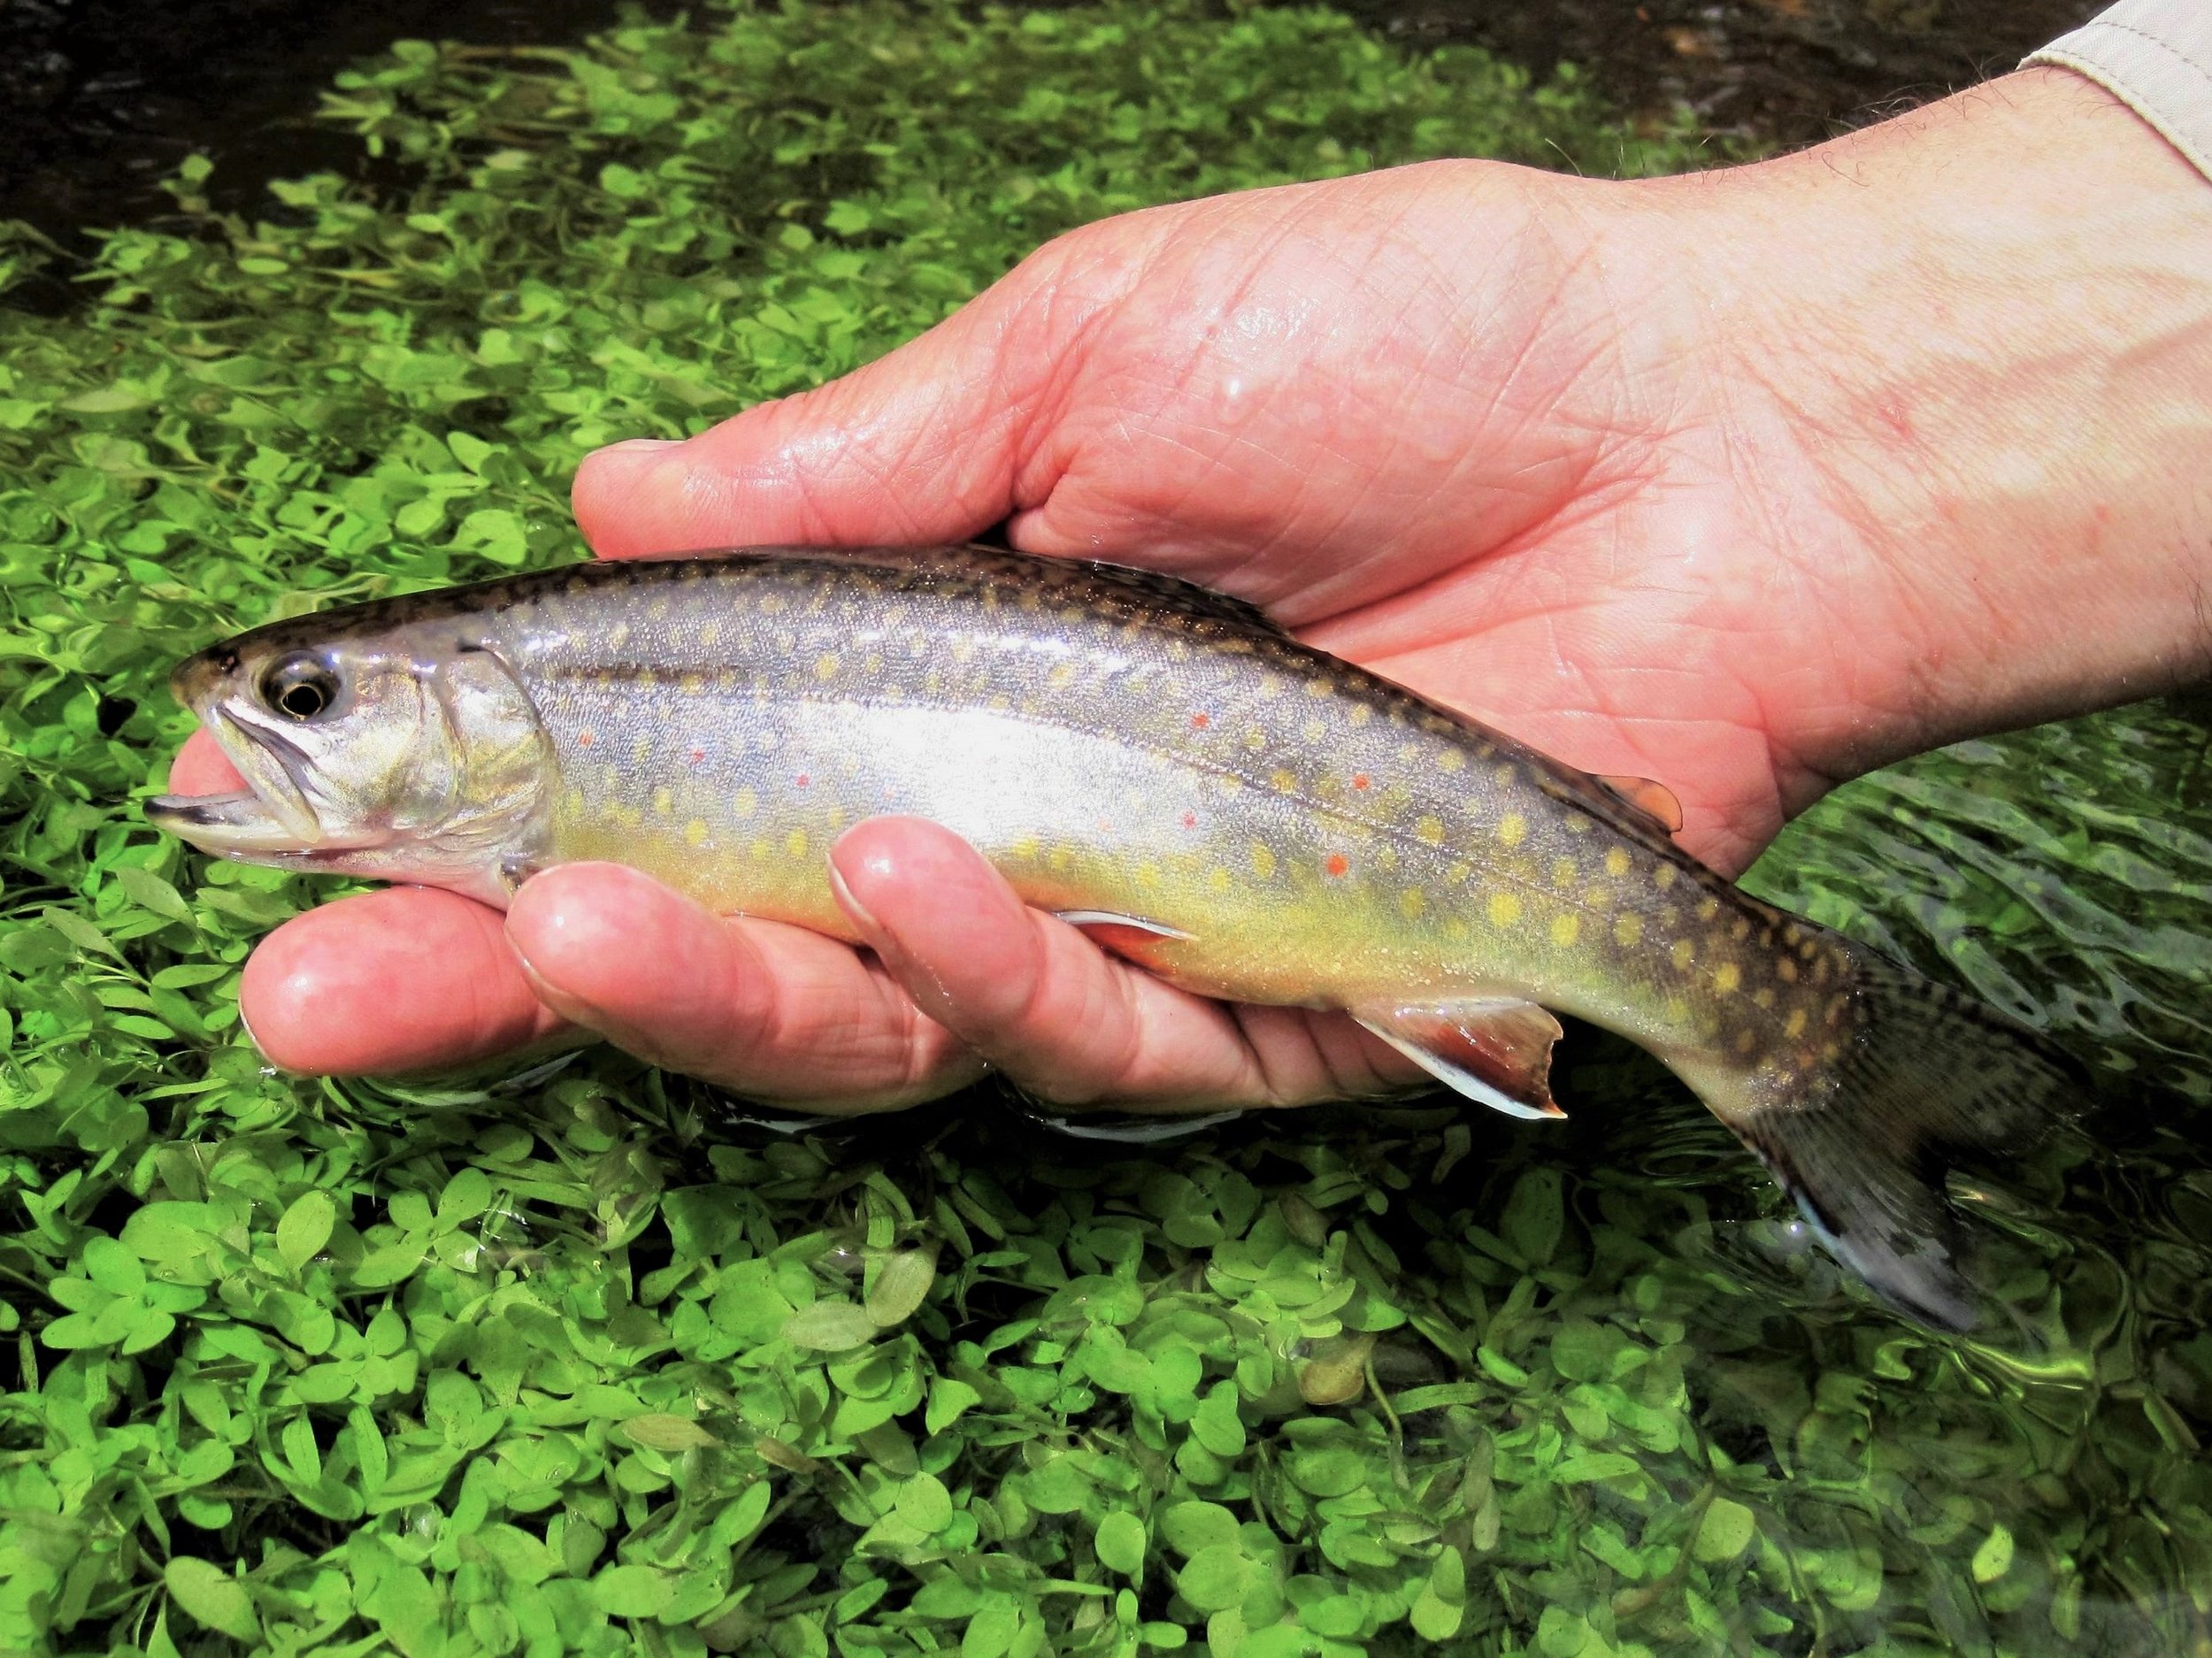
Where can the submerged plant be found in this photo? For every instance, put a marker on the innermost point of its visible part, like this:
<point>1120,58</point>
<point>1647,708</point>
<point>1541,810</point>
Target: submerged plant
<point>579,1362</point>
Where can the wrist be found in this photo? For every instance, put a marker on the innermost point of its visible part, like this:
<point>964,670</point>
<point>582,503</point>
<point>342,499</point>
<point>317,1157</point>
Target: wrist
<point>1992,340</point>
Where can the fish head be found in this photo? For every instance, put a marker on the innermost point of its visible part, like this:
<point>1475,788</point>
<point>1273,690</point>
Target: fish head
<point>405,753</point>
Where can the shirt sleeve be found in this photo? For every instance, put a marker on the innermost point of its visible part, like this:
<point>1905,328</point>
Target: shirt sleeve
<point>2155,57</point>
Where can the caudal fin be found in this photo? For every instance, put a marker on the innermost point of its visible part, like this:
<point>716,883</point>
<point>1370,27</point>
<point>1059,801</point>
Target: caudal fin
<point>1862,1142</point>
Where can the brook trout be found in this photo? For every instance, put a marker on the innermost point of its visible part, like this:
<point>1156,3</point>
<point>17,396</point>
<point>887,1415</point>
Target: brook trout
<point>1242,815</point>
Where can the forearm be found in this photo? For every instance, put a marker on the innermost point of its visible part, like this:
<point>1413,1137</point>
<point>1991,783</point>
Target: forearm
<point>1991,322</point>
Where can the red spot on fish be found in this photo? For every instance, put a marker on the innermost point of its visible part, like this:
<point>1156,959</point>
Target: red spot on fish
<point>1337,864</point>
<point>1190,820</point>
<point>1199,722</point>
<point>585,738</point>
<point>698,754</point>
<point>1360,780</point>
<point>802,779</point>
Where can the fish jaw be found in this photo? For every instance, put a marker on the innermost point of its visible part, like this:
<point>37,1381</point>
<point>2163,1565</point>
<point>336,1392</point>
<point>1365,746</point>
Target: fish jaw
<point>270,818</point>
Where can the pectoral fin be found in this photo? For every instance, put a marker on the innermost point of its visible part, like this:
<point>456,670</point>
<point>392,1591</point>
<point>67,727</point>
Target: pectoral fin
<point>1497,1050</point>
<point>1131,937</point>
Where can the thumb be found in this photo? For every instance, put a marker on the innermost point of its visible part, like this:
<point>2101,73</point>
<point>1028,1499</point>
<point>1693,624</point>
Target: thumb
<point>932,442</point>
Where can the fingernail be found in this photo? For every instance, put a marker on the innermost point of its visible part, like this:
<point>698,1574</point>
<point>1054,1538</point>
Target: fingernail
<point>641,446</point>
<point>853,906</point>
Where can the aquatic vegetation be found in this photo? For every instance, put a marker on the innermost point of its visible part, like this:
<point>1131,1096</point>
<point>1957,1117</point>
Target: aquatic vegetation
<point>578,1362</point>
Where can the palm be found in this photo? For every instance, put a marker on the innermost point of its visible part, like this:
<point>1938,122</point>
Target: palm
<point>1405,412</point>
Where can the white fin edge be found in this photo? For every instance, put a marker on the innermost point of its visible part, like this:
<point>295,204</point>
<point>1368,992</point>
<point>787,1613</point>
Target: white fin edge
<point>1111,919</point>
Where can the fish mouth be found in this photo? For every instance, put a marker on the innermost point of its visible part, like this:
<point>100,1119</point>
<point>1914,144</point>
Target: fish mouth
<point>270,819</point>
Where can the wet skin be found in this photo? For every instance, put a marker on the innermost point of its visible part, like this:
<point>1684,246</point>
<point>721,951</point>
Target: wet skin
<point>1747,483</point>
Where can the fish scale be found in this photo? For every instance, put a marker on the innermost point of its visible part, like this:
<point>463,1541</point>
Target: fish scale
<point>1242,814</point>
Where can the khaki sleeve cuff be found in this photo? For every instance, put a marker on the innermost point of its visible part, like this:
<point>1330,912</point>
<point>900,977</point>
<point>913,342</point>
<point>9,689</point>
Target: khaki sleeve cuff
<point>2155,57</point>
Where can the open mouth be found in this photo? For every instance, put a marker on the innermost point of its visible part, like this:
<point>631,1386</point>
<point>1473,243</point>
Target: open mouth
<point>270,816</point>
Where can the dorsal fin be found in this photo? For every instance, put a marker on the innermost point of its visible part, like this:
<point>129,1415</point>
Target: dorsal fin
<point>1654,801</point>
<point>1188,598</point>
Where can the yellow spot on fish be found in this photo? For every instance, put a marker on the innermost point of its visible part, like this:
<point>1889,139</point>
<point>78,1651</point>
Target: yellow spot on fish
<point>1512,829</point>
<point>1218,879</point>
<point>1410,903</point>
<point>1147,874</point>
<point>826,666</point>
<point>710,634</point>
<point>1740,930</point>
<point>795,843</point>
<point>1062,675</point>
<point>1616,863</point>
<point>1451,760</point>
<point>1454,928</point>
<point>1313,731</point>
<point>1682,953</point>
<point>1360,713</point>
<point>1565,929</point>
<point>573,801</point>
<point>743,802</point>
<point>1746,1039</point>
<point>1263,862</point>
<point>1763,996</point>
<point>1726,977</point>
<point>1708,909</point>
<point>760,849</point>
<point>1505,909</point>
<point>1431,829</point>
<point>1284,780</point>
<point>1256,740</point>
<point>1628,929</point>
<point>664,800</point>
<point>1787,969</point>
<point>1458,872</point>
<point>620,637</point>
<point>1563,871</point>
<point>657,610</point>
<point>1318,687</point>
<point>1663,876</point>
<point>1796,1026</point>
<point>1024,848</point>
<point>1060,859</point>
<point>695,831</point>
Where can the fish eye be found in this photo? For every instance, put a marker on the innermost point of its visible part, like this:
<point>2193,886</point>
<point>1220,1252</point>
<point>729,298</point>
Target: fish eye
<point>299,687</point>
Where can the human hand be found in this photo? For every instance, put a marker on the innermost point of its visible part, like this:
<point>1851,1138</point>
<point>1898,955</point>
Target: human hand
<point>1748,482</point>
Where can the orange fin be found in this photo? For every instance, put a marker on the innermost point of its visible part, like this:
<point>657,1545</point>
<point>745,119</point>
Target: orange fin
<point>1132,937</point>
<point>1656,801</point>
<point>1496,1049</point>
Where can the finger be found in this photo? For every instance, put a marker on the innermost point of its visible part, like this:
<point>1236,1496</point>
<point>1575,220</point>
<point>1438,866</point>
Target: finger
<point>1064,1020</point>
<point>932,442</point>
<point>769,1011</point>
<point>202,768</point>
<point>405,979</point>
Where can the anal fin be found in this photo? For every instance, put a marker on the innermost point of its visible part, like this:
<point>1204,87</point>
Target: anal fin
<point>1495,1050</point>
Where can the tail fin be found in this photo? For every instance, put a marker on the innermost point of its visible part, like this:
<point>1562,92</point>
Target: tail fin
<point>1861,1142</point>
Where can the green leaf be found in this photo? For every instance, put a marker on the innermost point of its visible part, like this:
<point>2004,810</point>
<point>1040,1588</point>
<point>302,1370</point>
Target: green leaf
<point>1726,1530</point>
<point>664,1432</point>
<point>632,1591</point>
<point>830,1327</point>
<point>1120,1544</point>
<point>305,1228</point>
<point>212,1596</point>
<point>902,1285</point>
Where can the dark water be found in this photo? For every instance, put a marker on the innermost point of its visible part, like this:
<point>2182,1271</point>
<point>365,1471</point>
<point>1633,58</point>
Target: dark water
<point>101,99</point>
